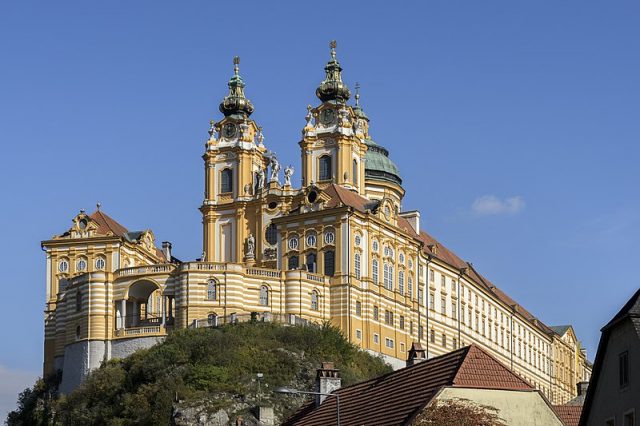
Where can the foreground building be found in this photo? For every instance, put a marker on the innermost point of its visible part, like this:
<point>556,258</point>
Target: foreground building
<point>339,248</point>
<point>467,375</point>
<point>613,397</point>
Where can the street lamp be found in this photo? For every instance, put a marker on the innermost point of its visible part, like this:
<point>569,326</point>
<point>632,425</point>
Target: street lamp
<point>299,392</point>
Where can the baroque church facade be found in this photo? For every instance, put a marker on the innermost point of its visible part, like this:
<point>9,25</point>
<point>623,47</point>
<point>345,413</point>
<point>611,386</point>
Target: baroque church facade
<point>339,249</point>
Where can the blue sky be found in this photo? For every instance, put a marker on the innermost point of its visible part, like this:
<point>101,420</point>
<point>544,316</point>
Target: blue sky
<point>514,125</point>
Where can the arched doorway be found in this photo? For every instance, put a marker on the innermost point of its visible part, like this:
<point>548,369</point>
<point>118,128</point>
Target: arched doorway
<point>144,305</point>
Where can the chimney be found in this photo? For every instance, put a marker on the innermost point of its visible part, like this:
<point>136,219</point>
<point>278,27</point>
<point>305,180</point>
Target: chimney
<point>416,354</point>
<point>582,388</point>
<point>413,217</point>
<point>327,380</point>
<point>166,249</point>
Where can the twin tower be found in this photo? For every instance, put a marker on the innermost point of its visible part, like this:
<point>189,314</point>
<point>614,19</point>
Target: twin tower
<point>246,187</point>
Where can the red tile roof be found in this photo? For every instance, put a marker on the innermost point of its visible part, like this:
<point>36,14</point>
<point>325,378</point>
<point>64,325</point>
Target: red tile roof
<point>396,398</point>
<point>106,224</point>
<point>569,414</point>
<point>434,248</point>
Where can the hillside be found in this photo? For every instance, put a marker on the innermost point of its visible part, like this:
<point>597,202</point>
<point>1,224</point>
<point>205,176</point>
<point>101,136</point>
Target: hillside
<point>199,375</point>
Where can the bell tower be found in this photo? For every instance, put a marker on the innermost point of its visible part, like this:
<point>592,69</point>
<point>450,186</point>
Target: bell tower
<point>234,164</point>
<point>332,145</point>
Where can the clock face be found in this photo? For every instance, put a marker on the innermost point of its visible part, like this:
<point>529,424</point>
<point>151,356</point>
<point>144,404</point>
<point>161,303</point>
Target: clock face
<point>328,116</point>
<point>230,130</point>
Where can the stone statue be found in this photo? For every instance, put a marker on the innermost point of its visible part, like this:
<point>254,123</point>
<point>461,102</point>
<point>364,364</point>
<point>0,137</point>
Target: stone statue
<point>260,137</point>
<point>212,129</point>
<point>275,169</point>
<point>288,172</point>
<point>251,246</point>
<point>309,117</point>
<point>260,179</point>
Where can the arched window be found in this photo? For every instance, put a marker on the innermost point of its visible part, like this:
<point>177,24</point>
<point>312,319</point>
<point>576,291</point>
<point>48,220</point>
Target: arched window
<point>311,262</point>
<point>212,290</point>
<point>355,172</point>
<point>212,320</point>
<point>264,296</point>
<point>314,300</point>
<point>77,332</point>
<point>325,168</point>
<point>271,233</point>
<point>356,265</point>
<point>401,282</point>
<point>78,301</point>
<point>226,181</point>
<point>293,262</point>
<point>410,286</point>
<point>374,270</point>
<point>385,276</point>
<point>329,263</point>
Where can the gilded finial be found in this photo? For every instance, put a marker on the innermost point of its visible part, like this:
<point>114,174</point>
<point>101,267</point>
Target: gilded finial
<point>236,62</point>
<point>333,46</point>
<point>357,94</point>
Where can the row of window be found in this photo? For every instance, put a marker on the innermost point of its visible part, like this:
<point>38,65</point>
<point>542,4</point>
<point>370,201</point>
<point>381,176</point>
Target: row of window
<point>81,264</point>
<point>311,240</point>
<point>212,295</point>
<point>311,262</point>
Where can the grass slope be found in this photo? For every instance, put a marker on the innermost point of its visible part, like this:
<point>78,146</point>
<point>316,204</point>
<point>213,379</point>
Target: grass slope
<point>214,368</point>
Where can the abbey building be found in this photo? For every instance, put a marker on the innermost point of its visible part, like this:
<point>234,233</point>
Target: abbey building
<point>339,248</point>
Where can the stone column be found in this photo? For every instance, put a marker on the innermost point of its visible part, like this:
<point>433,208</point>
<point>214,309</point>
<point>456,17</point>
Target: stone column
<point>123,314</point>
<point>135,313</point>
<point>163,302</point>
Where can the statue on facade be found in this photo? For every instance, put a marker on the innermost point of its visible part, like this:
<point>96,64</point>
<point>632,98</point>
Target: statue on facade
<point>288,172</point>
<point>309,117</point>
<point>261,177</point>
<point>275,169</point>
<point>212,129</point>
<point>260,137</point>
<point>251,246</point>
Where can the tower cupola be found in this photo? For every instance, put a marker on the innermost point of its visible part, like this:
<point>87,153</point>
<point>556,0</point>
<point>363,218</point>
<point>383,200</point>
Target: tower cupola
<point>235,103</point>
<point>332,88</point>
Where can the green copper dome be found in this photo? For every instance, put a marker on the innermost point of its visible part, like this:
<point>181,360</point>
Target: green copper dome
<point>378,166</point>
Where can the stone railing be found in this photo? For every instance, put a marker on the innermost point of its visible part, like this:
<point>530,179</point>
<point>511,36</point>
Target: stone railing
<point>165,268</point>
<point>210,266</point>
<point>315,277</point>
<point>284,319</point>
<point>149,330</point>
<point>259,272</point>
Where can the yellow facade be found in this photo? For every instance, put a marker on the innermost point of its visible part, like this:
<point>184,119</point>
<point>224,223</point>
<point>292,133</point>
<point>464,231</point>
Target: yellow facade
<point>339,248</point>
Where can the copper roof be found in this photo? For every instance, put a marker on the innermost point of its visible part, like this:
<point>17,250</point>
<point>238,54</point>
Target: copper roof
<point>396,398</point>
<point>569,414</point>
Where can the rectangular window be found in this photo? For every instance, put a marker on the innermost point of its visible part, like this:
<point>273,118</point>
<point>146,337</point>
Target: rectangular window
<point>375,313</point>
<point>374,271</point>
<point>433,336</point>
<point>420,332</point>
<point>431,275</point>
<point>443,282</point>
<point>388,317</point>
<point>623,368</point>
<point>357,265</point>
<point>420,296</point>
<point>359,334</point>
<point>401,347</point>
<point>462,317</point>
<point>358,308</point>
<point>629,419</point>
<point>329,263</point>
<point>376,339</point>
<point>432,298</point>
<point>401,322</point>
<point>443,306</point>
<point>454,344</point>
<point>444,340</point>
<point>454,312</point>
<point>388,343</point>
